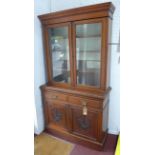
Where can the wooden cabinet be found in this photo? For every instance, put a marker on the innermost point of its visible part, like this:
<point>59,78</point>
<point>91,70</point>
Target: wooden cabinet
<point>77,58</point>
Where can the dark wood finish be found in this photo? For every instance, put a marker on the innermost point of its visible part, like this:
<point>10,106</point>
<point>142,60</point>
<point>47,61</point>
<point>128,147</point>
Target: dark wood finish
<point>89,93</point>
<point>55,96</point>
<point>71,56</point>
<point>47,53</point>
<point>87,12</point>
<point>109,147</point>
<point>106,30</point>
<point>57,115</point>
<point>90,103</point>
<point>78,113</point>
<point>85,126</point>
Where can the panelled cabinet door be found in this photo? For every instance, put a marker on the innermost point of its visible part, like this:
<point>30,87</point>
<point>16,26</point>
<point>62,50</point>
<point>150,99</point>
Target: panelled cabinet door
<point>88,38</point>
<point>59,53</point>
<point>57,114</point>
<point>85,125</point>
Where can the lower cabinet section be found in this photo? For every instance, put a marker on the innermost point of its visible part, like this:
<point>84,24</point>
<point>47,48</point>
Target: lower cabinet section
<point>78,120</point>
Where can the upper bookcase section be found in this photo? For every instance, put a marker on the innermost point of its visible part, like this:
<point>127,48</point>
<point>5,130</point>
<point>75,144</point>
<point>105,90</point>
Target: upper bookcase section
<point>87,12</point>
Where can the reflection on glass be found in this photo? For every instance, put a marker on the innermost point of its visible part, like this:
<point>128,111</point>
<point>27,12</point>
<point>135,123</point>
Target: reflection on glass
<point>60,54</point>
<point>88,49</point>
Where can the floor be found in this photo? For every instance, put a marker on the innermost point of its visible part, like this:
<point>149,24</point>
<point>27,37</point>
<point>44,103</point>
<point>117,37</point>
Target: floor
<point>109,148</point>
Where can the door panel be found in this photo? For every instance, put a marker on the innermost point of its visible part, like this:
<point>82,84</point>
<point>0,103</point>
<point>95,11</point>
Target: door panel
<point>57,114</point>
<point>84,125</point>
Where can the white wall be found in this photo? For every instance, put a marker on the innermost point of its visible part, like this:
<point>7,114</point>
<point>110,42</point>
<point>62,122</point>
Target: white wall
<point>40,7</point>
<point>114,113</point>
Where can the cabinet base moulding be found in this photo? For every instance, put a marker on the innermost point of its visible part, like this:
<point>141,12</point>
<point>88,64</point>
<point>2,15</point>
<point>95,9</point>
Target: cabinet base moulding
<point>78,140</point>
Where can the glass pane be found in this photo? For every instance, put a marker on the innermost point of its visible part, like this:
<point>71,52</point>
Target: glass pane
<point>88,51</point>
<point>60,54</point>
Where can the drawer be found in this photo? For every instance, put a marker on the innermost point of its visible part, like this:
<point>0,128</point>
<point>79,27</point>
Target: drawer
<point>90,102</point>
<point>51,95</point>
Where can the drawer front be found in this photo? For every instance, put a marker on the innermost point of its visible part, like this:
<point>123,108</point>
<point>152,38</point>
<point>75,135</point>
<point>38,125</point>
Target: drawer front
<point>85,125</point>
<point>90,103</point>
<point>55,96</point>
<point>57,115</point>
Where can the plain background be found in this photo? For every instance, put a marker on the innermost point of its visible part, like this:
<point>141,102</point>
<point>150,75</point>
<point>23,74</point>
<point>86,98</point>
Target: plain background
<point>137,77</point>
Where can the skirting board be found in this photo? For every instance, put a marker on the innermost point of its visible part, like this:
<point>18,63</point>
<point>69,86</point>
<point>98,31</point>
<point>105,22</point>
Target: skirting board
<point>114,132</point>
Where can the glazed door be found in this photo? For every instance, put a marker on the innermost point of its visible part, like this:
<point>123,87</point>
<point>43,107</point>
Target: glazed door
<point>60,54</point>
<point>88,46</point>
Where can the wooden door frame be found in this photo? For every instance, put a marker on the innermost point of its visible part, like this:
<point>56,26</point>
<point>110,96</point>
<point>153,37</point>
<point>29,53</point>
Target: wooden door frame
<point>102,53</point>
<point>48,55</point>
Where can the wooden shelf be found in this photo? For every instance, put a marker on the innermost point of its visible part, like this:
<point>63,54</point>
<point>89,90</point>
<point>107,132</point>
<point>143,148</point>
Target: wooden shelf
<point>59,37</point>
<point>92,71</point>
<point>60,50</point>
<point>89,51</point>
<point>62,60</point>
<point>90,36</point>
<point>60,69</point>
<point>80,51</point>
<point>87,60</point>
